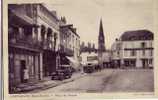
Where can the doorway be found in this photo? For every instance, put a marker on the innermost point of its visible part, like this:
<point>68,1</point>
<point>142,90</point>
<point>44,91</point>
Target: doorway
<point>145,63</point>
<point>22,67</point>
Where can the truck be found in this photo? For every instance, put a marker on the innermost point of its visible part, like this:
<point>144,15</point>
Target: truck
<point>89,62</point>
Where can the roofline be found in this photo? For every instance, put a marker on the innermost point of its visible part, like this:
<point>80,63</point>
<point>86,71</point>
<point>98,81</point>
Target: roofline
<point>70,26</point>
<point>138,30</point>
<point>42,5</point>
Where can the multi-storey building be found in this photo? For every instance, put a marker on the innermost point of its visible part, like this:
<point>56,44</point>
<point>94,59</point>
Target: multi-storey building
<point>33,36</point>
<point>49,36</point>
<point>106,58</point>
<point>69,44</point>
<point>116,55</point>
<point>25,50</point>
<point>134,49</point>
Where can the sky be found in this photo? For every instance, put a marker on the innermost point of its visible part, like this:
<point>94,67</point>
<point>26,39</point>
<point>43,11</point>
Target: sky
<point>118,16</point>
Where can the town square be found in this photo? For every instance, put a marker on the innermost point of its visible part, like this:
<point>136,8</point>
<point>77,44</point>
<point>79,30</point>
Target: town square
<point>50,51</point>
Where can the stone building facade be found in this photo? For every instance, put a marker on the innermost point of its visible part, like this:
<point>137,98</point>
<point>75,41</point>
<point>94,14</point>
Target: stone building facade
<point>25,50</point>
<point>69,43</point>
<point>49,36</point>
<point>134,49</point>
<point>33,40</point>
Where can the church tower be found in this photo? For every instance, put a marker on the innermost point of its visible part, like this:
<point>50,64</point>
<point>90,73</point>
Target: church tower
<point>101,44</point>
<point>101,41</point>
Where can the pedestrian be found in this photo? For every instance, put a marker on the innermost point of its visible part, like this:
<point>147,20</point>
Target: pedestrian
<point>26,75</point>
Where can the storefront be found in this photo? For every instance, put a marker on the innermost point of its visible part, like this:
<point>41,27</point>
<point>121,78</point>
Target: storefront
<point>130,62</point>
<point>49,62</point>
<point>21,59</point>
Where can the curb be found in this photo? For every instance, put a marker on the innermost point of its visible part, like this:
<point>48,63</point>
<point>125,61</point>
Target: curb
<point>60,83</point>
<point>44,87</point>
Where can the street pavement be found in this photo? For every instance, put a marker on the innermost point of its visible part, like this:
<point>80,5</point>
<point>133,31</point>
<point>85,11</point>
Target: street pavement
<point>109,80</point>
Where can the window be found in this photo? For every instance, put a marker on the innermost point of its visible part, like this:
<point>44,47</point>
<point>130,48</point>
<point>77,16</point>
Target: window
<point>130,62</point>
<point>43,31</point>
<point>151,45</point>
<point>143,53</point>
<point>151,52</point>
<point>126,63</point>
<point>118,53</point>
<point>143,44</point>
<point>150,61</point>
<point>133,53</point>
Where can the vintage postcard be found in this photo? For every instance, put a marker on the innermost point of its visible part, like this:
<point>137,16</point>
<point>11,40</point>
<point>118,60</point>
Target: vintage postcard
<point>79,49</point>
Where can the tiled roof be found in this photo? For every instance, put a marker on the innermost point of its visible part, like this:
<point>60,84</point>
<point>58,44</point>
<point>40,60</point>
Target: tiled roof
<point>137,35</point>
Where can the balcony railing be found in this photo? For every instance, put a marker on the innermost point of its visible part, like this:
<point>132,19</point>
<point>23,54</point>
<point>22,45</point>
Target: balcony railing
<point>48,44</point>
<point>27,42</point>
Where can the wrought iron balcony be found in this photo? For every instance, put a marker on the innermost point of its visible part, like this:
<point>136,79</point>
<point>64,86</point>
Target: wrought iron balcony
<point>48,44</point>
<point>27,42</point>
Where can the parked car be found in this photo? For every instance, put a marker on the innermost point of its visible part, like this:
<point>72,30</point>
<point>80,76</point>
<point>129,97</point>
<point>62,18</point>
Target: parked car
<point>58,75</point>
<point>67,70</point>
<point>89,68</point>
<point>64,72</point>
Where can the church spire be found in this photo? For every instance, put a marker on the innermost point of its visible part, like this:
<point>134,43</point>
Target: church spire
<point>101,32</point>
<point>101,41</point>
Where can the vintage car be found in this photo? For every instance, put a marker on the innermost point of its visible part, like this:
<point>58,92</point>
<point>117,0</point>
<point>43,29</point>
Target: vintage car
<point>58,75</point>
<point>63,73</point>
<point>67,69</point>
<point>89,68</point>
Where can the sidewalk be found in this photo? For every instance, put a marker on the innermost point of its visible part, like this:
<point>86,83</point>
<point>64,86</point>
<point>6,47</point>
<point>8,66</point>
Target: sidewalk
<point>45,84</point>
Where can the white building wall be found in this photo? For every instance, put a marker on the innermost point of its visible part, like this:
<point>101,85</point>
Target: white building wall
<point>139,53</point>
<point>116,52</point>
<point>137,46</point>
<point>106,56</point>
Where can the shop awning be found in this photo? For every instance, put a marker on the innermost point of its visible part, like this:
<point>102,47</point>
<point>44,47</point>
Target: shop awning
<point>73,61</point>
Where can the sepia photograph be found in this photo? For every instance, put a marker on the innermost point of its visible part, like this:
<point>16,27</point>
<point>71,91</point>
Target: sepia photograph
<point>91,46</point>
